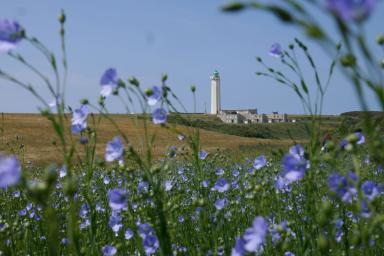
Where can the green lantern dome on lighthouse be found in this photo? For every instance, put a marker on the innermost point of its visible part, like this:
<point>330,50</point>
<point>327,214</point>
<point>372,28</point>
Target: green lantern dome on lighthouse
<point>216,73</point>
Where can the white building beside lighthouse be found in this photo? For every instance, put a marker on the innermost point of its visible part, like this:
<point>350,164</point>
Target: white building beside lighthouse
<point>215,93</point>
<point>239,116</point>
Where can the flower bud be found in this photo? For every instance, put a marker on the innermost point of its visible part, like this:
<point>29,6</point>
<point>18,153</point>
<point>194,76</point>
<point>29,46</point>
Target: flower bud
<point>164,77</point>
<point>84,101</point>
<point>62,17</point>
<point>101,101</point>
<point>380,39</point>
<point>233,7</point>
<point>148,92</point>
<point>133,81</point>
<point>348,60</point>
<point>121,84</point>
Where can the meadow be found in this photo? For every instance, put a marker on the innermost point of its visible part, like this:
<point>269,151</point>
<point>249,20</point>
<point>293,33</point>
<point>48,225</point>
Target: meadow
<point>78,180</point>
<point>21,134</point>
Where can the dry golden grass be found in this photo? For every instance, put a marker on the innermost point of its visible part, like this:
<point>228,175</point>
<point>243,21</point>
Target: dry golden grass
<point>32,135</point>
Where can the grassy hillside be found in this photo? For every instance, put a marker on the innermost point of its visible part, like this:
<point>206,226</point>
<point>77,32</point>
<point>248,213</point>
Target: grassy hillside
<point>32,138</point>
<point>275,131</point>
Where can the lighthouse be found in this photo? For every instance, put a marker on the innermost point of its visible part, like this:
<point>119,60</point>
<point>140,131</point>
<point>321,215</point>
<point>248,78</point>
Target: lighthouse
<point>215,93</point>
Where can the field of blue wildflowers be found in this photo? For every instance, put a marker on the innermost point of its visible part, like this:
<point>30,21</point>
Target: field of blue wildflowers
<point>323,198</point>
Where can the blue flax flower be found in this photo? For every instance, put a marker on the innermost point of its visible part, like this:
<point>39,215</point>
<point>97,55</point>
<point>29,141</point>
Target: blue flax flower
<point>221,185</point>
<point>220,172</point>
<point>294,164</point>
<point>10,171</point>
<point>11,34</point>
<point>84,210</point>
<point>351,9</point>
<point>220,203</point>
<point>235,173</point>
<point>109,250</point>
<point>23,212</point>
<point>276,50</point>
<point>370,190</point>
<point>238,250</point>
<point>254,236</point>
<point>297,151</point>
<point>364,210</point>
<point>159,116</point>
<point>108,82</point>
<point>114,150</point>
<point>360,138</point>
<point>63,171</point>
<point>115,222</point>
<point>342,186</point>
<point>155,96</point>
<point>143,187</point>
<point>150,244</point>
<point>150,241</point>
<point>168,185</point>
<point>117,199</point>
<point>339,231</point>
<point>282,184</point>
<point>280,229</point>
<point>203,154</point>
<point>260,162</point>
<point>79,119</point>
<point>128,234</point>
<point>293,168</point>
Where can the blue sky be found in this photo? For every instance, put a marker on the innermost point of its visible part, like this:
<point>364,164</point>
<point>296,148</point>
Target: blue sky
<point>186,39</point>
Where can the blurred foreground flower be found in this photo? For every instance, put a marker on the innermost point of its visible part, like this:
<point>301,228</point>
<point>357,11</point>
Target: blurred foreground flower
<point>11,34</point>
<point>370,190</point>
<point>351,9</point>
<point>79,119</point>
<point>108,82</point>
<point>343,186</point>
<point>10,171</point>
<point>118,199</point>
<point>159,116</point>
<point>150,241</point>
<point>294,164</point>
<point>239,248</point>
<point>254,236</point>
<point>154,95</point>
<point>260,162</point>
<point>114,150</point>
<point>360,138</point>
<point>109,250</point>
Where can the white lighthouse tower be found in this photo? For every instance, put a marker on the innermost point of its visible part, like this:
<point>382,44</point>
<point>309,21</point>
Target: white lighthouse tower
<point>215,93</point>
